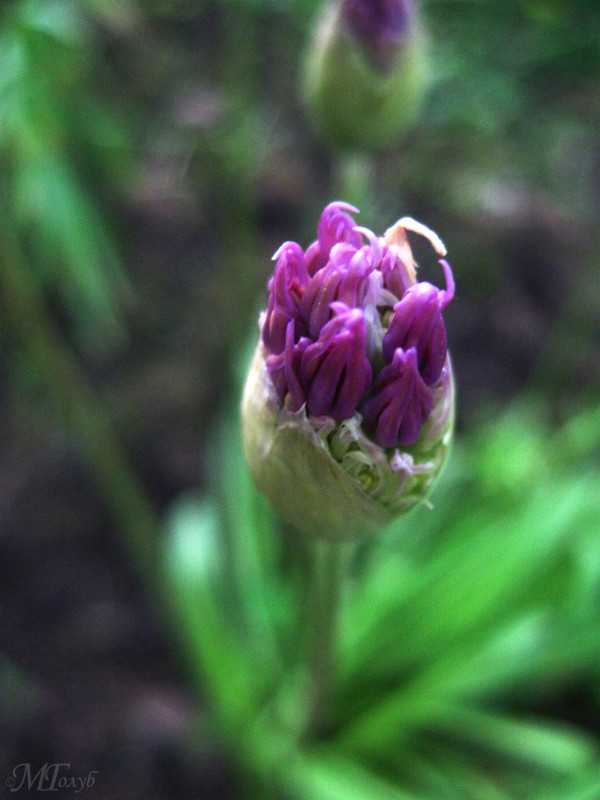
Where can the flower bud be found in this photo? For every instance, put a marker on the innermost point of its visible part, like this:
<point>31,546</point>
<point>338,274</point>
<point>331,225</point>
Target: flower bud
<point>348,406</point>
<point>365,71</point>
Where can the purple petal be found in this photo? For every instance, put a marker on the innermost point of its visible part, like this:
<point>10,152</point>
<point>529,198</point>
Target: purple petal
<point>395,275</point>
<point>286,289</point>
<point>400,402</point>
<point>344,278</point>
<point>335,370</point>
<point>284,367</point>
<point>335,226</point>
<point>418,323</point>
<point>448,294</point>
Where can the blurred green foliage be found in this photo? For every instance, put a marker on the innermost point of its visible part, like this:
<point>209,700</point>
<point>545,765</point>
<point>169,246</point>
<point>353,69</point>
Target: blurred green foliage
<point>467,631</point>
<point>60,140</point>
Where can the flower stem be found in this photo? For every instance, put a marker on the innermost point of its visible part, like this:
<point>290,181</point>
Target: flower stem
<point>327,580</point>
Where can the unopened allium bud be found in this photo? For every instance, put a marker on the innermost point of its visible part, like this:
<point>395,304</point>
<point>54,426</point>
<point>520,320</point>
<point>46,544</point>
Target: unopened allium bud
<point>348,407</point>
<point>365,71</point>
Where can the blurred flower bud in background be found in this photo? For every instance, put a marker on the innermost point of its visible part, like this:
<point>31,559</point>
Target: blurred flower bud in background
<point>347,411</point>
<point>365,72</point>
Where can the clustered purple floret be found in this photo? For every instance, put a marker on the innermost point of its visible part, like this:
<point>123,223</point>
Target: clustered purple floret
<point>348,329</point>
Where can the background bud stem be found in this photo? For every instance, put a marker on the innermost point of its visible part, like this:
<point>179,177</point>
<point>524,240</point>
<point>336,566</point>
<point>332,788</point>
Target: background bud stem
<point>355,178</point>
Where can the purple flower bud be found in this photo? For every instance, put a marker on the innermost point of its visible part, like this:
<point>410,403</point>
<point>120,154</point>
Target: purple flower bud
<point>324,328</point>
<point>400,401</point>
<point>418,323</point>
<point>380,26</point>
<point>336,452</point>
<point>335,369</point>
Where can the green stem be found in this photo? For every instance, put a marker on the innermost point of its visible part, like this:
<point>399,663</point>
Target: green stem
<point>33,327</point>
<point>327,579</point>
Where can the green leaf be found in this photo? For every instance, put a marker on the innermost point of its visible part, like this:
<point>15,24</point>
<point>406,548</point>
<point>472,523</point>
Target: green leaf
<point>196,584</point>
<point>324,775</point>
<point>73,248</point>
<point>543,746</point>
<point>585,786</point>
